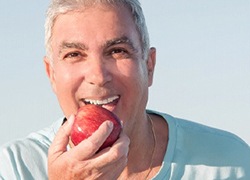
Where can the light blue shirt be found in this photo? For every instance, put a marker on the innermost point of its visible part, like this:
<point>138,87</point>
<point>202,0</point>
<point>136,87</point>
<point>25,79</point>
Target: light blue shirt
<point>198,152</point>
<point>194,152</point>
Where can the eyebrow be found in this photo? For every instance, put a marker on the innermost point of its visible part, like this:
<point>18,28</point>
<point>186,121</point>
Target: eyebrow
<point>69,45</point>
<point>107,44</point>
<point>120,40</point>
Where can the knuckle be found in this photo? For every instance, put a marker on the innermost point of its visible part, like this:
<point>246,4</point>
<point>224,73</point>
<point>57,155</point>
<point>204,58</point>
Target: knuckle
<point>91,144</point>
<point>124,161</point>
<point>117,153</point>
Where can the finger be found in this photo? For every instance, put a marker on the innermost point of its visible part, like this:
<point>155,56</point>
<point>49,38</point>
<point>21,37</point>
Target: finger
<point>88,147</point>
<point>61,140</point>
<point>118,151</point>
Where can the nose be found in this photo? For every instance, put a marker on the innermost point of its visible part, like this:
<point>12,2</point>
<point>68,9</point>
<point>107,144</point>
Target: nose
<point>98,73</point>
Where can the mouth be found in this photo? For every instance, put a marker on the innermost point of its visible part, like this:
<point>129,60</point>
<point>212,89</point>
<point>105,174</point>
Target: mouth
<point>108,103</point>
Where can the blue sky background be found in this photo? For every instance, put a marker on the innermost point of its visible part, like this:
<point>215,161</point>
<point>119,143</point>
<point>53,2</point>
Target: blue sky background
<point>202,72</point>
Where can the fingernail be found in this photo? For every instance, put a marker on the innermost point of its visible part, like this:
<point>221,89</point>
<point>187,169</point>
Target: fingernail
<point>110,124</point>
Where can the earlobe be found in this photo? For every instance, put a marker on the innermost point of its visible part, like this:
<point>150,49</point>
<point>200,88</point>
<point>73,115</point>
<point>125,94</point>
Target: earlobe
<point>50,72</point>
<point>151,65</point>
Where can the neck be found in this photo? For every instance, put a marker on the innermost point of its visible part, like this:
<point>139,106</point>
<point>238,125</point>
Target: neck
<point>142,148</point>
<point>139,132</point>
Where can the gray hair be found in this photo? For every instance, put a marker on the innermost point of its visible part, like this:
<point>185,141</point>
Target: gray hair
<point>58,7</point>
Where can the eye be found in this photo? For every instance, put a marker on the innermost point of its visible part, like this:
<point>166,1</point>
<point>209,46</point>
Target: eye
<point>119,53</point>
<point>74,56</point>
<point>115,51</point>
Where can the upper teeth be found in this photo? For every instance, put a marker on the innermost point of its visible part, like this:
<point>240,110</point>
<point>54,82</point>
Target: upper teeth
<point>101,102</point>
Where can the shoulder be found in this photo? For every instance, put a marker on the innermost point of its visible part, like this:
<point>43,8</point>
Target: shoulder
<point>191,132</point>
<point>197,141</point>
<point>209,136</point>
<point>211,140</point>
<point>22,157</point>
<point>196,151</point>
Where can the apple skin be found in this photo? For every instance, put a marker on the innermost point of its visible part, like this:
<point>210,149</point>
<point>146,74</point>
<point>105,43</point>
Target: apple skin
<point>88,119</point>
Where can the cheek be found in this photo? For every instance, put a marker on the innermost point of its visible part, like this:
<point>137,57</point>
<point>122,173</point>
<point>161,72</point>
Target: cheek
<point>67,75</point>
<point>134,90</point>
<point>66,81</point>
<point>139,73</point>
<point>132,69</point>
<point>133,75</point>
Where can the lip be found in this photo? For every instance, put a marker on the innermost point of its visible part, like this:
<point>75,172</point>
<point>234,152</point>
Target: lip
<point>108,103</point>
<point>101,101</point>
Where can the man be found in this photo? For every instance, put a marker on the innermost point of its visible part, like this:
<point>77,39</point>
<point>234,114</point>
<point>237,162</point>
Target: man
<point>98,52</point>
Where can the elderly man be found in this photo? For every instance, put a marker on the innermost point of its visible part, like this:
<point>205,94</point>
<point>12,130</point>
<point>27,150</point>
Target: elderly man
<point>98,52</point>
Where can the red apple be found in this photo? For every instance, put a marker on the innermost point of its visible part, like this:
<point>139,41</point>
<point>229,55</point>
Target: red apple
<point>87,121</point>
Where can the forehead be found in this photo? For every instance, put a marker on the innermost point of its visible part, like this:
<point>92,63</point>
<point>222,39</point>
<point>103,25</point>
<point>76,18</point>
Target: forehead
<point>96,22</point>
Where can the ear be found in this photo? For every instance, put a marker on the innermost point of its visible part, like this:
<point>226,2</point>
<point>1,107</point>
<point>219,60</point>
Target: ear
<point>50,72</point>
<point>151,65</point>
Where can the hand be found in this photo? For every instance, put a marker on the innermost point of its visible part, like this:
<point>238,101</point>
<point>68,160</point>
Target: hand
<point>81,161</point>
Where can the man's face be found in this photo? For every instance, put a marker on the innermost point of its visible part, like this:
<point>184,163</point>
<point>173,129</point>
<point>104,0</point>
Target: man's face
<point>97,58</point>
